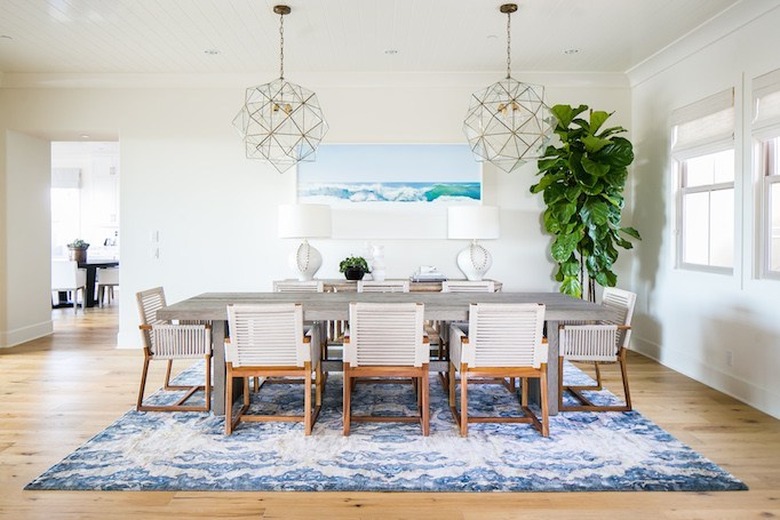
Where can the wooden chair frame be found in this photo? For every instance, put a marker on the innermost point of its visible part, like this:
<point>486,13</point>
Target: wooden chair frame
<point>500,375</point>
<point>388,374</point>
<point>293,374</point>
<point>189,390</point>
<point>585,404</point>
<point>496,375</point>
<point>147,328</point>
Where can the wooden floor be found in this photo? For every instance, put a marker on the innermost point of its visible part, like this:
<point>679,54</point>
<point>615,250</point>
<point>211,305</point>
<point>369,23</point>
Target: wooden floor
<point>59,391</point>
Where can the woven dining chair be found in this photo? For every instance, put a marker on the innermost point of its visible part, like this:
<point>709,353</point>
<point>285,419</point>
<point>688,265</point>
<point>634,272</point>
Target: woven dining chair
<point>502,341</point>
<point>386,286</point>
<point>602,342</point>
<point>170,342</point>
<point>268,340</point>
<point>386,341</point>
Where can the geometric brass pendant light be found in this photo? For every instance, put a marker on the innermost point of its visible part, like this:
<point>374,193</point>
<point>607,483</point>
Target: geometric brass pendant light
<point>508,123</point>
<point>281,122</point>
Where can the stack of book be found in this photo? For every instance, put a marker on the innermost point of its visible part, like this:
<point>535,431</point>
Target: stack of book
<point>427,273</point>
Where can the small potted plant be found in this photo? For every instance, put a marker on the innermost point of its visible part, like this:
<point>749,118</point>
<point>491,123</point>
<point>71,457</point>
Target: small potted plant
<point>78,250</point>
<point>354,267</point>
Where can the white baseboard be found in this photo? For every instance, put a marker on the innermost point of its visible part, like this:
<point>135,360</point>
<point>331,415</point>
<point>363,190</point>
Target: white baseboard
<point>762,399</point>
<point>11,338</point>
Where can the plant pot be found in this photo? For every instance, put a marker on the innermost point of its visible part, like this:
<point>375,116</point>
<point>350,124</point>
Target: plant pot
<point>79,254</point>
<point>354,273</point>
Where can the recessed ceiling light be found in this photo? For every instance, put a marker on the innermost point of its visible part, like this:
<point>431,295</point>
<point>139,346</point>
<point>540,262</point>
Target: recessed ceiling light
<point>211,52</point>
<point>571,51</point>
<point>391,51</point>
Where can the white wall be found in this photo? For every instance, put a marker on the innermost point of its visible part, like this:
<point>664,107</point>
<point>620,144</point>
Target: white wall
<point>27,226</point>
<point>693,322</point>
<point>184,175</point>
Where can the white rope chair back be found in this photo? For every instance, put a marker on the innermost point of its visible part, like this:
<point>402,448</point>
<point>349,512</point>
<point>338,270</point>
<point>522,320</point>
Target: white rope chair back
<point>170,341</point>
<point>621,306</point>
<point>294,286</point>
<point>386,334</point>
<point>149,302</point>
<point>389,286</point>
<point>601,342</point>
<point>266,335</point>
<point>506,335</point>
<point>468,286</point>
<point>180,341</point>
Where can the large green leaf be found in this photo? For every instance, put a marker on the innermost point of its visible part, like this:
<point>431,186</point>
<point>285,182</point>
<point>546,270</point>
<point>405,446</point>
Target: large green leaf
<point>544,182</point>
<point>594,144</point>
<point>595,168</point>
<point>606,279</point>
<point>564,211</point>
<point>563,247</point>
<point>618,153</point>
<point>571,285</point>
<point>597,118</point>
<point>631,232</point>
<point>595,211</point>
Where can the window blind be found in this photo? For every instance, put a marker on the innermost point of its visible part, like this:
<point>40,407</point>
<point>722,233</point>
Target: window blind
<point>707,121</point>
<point>766,100</point>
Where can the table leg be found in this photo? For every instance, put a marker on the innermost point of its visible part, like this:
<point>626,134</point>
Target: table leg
<point>89,293</point>
<point>218,356</point>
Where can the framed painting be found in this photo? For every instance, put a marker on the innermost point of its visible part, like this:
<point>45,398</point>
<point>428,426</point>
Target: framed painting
<point>416,174</point>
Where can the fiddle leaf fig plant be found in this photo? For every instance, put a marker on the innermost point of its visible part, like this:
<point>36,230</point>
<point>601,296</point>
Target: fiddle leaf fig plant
<point>582,182</point>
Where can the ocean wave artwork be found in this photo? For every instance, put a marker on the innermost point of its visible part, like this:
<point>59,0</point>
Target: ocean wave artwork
<point>325,192</point>
<point>349,174</point>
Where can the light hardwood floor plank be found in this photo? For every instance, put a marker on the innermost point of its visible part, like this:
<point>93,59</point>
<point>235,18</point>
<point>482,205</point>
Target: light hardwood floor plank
<point>59,391</point>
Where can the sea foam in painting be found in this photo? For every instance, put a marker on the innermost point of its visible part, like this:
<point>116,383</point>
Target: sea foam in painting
<point>344,174</point>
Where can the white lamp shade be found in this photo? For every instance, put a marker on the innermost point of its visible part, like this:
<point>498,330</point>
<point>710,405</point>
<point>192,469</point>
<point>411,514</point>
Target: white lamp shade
<point>304,221</point>
<point>472,222</point>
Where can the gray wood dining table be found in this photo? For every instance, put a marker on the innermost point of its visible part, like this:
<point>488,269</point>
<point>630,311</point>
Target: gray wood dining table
<point>335,306</point>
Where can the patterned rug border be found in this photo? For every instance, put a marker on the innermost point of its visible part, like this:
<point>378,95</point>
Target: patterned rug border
<point>131,453</point>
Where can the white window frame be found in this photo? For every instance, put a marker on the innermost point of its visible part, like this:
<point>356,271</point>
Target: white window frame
<point>692,146</point>
<point>683,190</point>
<point>765,127</point>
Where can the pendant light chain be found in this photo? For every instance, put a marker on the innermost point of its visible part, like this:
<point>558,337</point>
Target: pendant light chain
<point>508,45</point>
<point>281,46</point>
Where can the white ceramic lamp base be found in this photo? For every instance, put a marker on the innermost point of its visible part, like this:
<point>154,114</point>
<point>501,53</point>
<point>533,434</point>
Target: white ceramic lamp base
<point>306,261</point>
<point>474,261</point>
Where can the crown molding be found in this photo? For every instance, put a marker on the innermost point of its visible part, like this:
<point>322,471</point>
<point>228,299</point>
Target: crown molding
<point>311,80</point>
<point>729,21</point>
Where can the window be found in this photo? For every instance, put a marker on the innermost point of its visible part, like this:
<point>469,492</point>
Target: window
<point>703,153</point>
<point>766,133</point>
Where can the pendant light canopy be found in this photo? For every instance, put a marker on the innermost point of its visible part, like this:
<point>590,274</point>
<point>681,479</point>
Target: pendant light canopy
<point>281,122</point>
<point>508,123</point>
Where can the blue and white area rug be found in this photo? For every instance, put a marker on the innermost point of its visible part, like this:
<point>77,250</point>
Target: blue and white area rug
<point>189,451</point>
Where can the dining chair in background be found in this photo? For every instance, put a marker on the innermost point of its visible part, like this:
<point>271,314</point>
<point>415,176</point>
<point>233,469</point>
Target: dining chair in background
<point>67,277</point>
<point>268,341</point>
<point>386,340</point>
<point>107,279</point>
<point>171,342</point>
<point>502,341</point>
<point>385,286</point>
<point>602,342</point>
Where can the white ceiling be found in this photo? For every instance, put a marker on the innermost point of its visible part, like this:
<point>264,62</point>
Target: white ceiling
<point>170,36</point>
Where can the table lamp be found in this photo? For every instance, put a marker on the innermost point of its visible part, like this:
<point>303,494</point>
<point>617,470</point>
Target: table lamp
<point>473,223</point>
<point>305,221</point>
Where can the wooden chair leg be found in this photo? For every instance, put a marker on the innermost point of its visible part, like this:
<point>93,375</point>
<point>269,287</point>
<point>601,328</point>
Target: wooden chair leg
<point>426,419</point>
<point>168,370</point>
<point>229,402</point>
<point>624,373</point>
<point>544,403</point>
<point>207,388</point>
<point>141,389</point>
<point>347,398</point>
<point>598,376</point>
<point>464,404</point>
<point>451,384</point>
<point>560,383</point>
<point>307,399</point>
